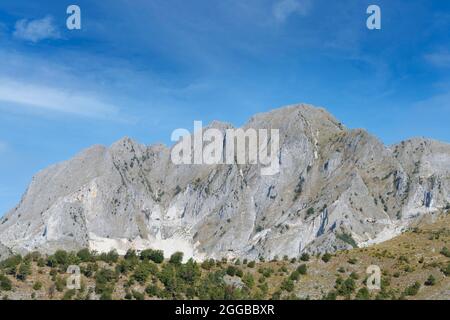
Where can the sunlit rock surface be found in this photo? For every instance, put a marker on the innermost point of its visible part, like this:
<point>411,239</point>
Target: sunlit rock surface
<point>337,188</point>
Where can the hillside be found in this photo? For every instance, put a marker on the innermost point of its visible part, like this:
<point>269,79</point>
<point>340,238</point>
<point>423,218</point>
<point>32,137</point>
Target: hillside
<point>415,265</point>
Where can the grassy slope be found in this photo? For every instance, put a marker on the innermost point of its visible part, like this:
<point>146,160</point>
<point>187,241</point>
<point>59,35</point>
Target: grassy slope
<point>410,257</point>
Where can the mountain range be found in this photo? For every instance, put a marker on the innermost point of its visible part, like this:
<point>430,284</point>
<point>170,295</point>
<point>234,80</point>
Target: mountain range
<point>337,188</point>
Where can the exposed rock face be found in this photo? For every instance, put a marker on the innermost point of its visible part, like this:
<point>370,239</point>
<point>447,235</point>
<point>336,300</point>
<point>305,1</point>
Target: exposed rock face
<point>4,252</point>
<point>336,188</point>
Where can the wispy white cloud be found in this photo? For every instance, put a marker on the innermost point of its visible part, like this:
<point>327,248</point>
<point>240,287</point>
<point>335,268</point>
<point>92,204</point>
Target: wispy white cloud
<point>36,30</point>
<point>439,59</point>
<point>282,9</point>
<point>439,101</point>
<point>54,99</point>
<point>3,146</point>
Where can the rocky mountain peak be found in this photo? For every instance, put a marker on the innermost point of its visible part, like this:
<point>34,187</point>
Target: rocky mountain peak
<point>337,188</point>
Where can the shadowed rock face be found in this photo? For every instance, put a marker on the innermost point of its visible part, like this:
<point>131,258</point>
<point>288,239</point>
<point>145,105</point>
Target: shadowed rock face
<point>336,188</point>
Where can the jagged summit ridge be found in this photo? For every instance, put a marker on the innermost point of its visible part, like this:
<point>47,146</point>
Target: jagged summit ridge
<point>336,188</point>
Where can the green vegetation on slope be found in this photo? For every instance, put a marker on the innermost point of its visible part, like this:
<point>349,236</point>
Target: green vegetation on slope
<point>415,265</point>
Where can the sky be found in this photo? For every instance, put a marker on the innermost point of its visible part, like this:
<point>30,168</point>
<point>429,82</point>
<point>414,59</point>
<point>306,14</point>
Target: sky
<point>143,68</point>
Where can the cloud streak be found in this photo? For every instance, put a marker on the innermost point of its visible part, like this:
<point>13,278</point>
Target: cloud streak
<point>3,146</point>
<point>53,99</point>
<point>36,30</point>
<point>438,102</point>
<point>439,59</point>
<point>283,9</point>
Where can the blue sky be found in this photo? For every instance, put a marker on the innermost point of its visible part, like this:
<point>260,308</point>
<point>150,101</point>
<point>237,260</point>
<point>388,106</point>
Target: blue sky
<point>144,68</point>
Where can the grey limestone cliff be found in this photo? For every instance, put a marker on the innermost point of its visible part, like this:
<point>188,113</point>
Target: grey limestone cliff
<point>336,188</point>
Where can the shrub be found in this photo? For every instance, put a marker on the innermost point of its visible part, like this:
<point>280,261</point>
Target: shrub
<point>265,288</point>
<point>35,255</point>
<point>385,282</point>
<point>69,294</point>
<point>412,290</point>
<point>106,295</point>
<point>124,266</point>
<point>231,271</point>
<point>362,294</point>
<point>53,273</point>
<point>177,190</point>
<point>387,295</point>
<point>51,262</point>
<point>352,260</point>
<point>276,295</point>
<point>143,270</point>
<point>446,252</point>
<point>446,270</point>
<point>176,258</point>
<point>104,283</point>
<point>251,264</point>
<point>41,263</point>
<point>332,295</point>
<point>208,264</point>
<point>131,256</point>
<point>85,255</point>
<point>248,280</point>
<point>37,285</point>
<point>61,257</point>
<point>89,269</point>
<point>347,238</point>
<point>10,265</point>
<point>287,285</point>
<point>24,271</point>
<point>111,257</point>
<point>190,272</point>
<point>60,284</point>
<point>302,269</point>
<point>408,268</point>
<point>294,276</point>
<point>138,295</point>
<point>266,272</point>
<point>128,296</point>
<point>431,281</point>
<point>304,257</point>
<point>354,276</point>
<point>326,257</point>
<point>157,256</point>
<point>5,283</point>
<point>152,290</point>
<point>345,288</point>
